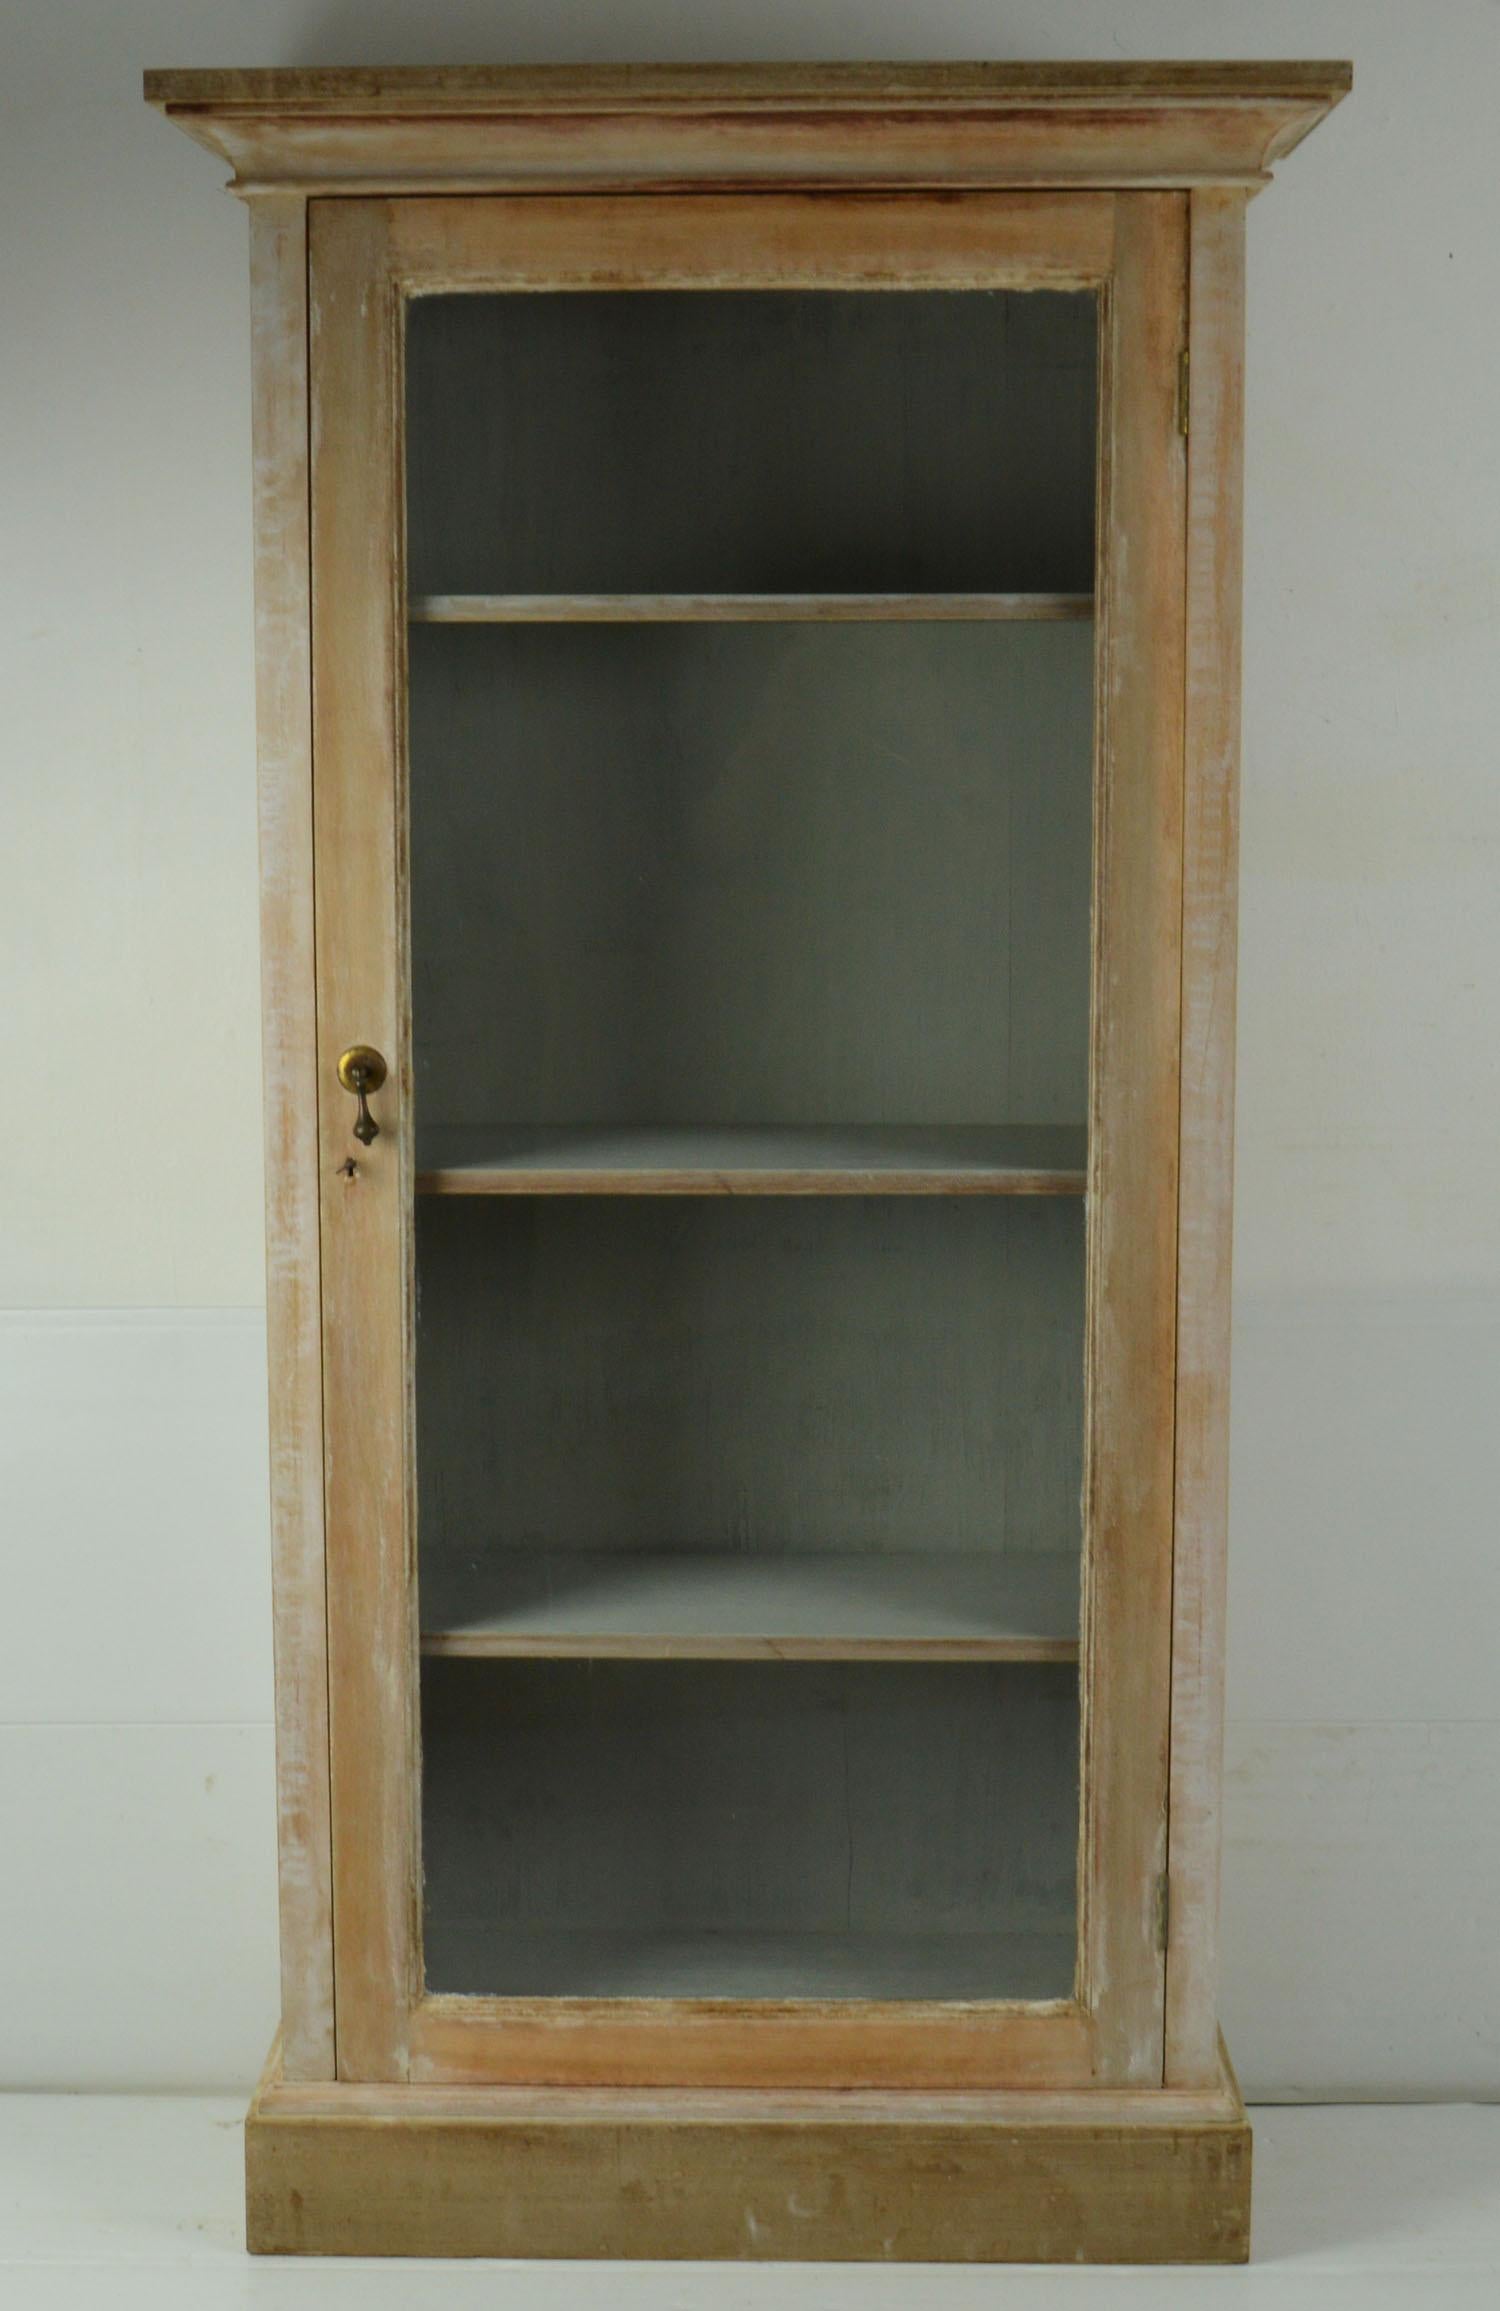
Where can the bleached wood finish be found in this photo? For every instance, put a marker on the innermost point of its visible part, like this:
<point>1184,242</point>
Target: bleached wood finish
<point>1146,2106</point>
<point>934,2176</point>
<point>757,2044</point>
<point>1133,1139</point>
<point>1034,240</point>
<point>283,675</point>
<point>362,253</point>
<point>366,1192</point>
<point>1205,1234</point>
<point>595,89</point>
<point>1037,1160</point>
<point>632,127</point>
<point>711,609</point>
<point>733,1606</point>
<point>1108,2127</point>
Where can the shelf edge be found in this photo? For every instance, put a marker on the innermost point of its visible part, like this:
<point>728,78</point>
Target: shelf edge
<point>478,1180</point>
<point>721,609</point>
<point>468,1645</point>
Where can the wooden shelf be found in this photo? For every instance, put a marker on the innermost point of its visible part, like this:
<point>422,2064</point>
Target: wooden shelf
<point>711,609</point>
<point>860,1160</point>
<point>566,1604</point>
<point>1010,1968</point>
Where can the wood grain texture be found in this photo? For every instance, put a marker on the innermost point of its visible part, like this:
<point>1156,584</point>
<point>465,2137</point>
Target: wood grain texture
<point>1220,2102</point>
<point>911,126</point>
<point>1136,1098</point>
<point>357,719</point>
<point>595,88</point>
<point>896,151</point>
<point>358,273</point>
<point>283,673</point>
<point>952,2177</point>
<point>1133,1140</point>
<point>1022,1160</point>
<point>1209,928</point>
<point>1075,2165</point>
<point>911,2044</point>
<point>775,241</point>
<point>706,609</point>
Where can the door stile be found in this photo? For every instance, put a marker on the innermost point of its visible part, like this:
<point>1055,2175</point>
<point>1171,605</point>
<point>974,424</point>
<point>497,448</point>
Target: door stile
<point>1132,1260</point>
<point>283,679</point>
<point>365,1191</point>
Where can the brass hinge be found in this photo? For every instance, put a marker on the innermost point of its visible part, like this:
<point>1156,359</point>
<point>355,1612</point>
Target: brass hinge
<point>1182,392</point>
<point>1162,1910</point>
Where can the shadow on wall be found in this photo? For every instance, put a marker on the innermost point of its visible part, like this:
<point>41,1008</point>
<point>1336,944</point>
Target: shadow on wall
<point>653,31</point>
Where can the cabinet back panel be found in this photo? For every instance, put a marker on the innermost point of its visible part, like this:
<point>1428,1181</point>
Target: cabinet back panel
<point>751,441</point>
<point>758,1374</point>
<point>795,874</point>
<point>690,1828</point>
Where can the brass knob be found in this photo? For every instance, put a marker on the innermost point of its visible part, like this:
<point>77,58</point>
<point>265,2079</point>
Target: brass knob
<point>362,1070</point>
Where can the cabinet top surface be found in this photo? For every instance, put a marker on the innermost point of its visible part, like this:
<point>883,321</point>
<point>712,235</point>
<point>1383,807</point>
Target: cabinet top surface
<point>742,87</point>
<point>367,129</point>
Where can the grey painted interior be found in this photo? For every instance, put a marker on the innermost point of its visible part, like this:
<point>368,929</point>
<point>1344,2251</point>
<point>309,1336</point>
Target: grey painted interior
<point>751,1829</point>
<point>701,1602</point>
<point>746,1373</point>
<point>739,1158</point>
<point>751,441</point>
<point>751,875</point>
<point>773,876</point>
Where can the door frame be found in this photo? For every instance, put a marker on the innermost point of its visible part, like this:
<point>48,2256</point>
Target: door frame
<point>366,257</point>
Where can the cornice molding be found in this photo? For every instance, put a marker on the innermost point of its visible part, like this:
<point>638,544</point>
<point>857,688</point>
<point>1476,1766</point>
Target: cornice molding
<point>557,128</point>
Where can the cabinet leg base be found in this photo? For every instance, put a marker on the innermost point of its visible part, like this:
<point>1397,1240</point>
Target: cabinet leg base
<point>678,2173</point>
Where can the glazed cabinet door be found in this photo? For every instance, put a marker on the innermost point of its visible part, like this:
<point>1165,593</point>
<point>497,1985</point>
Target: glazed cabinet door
<point>748,680</point>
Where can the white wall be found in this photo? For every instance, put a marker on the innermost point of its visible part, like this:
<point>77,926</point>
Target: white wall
<point>1363,1872</point>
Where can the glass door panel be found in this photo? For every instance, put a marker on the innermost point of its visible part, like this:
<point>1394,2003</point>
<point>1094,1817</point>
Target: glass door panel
<point>751,737</point>
<point>694,441</point>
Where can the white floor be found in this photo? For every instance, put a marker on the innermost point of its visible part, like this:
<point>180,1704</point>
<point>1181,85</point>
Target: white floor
<point>129,2202</point>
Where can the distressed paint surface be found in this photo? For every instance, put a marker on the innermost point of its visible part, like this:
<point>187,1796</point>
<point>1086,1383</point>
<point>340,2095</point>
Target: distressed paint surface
<point>279,419</point>
<point>1210,886</point>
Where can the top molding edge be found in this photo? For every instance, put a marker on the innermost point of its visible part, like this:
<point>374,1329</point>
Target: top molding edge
<point>645,127</point>
<point>499,88</point>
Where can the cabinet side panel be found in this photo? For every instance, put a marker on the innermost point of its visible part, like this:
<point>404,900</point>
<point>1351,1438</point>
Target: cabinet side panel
<point>1209,924</point>
<point>283,675</point>
<point>366,1190</point>
<point>1133,1154</point>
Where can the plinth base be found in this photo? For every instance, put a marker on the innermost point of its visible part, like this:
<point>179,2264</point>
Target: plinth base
<point>1036,2177</point>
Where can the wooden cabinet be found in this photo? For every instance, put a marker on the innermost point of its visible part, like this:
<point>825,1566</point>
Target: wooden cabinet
<point>748,666</point>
